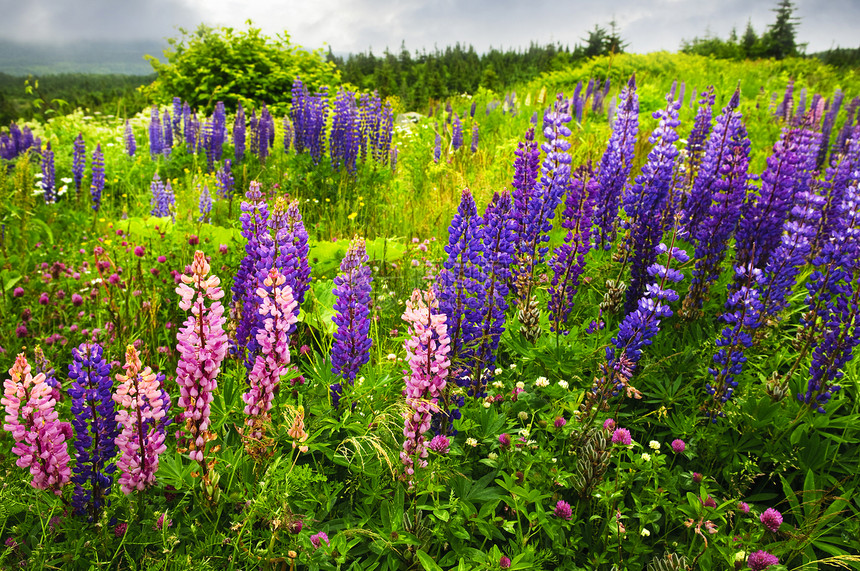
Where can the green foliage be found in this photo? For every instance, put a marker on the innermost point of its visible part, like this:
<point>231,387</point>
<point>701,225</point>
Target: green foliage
<point>222,64</point>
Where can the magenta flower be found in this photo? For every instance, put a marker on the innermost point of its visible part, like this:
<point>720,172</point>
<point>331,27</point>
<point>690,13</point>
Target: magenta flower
<point>504,440</point>
<point>142,407</point>
<point>697,477</point>
<point>609,424</point>
<point>621,436</point>
<point>771,519</point>
<point>759,560</point>
<point>277,305</point>
<point>678,446</point>
<point>139,251</point>
<point>427,349</point>
<point>709,502</point>
<point>18,292</point>
<point>439,444</point>
<point>318,538</point>
<point>562,510</point>
<point>40,438</point>
<point>505,562</point>
<point>119,530</point>
<point>202,346</point>
<point>560,421</point>
<point>744,507</point>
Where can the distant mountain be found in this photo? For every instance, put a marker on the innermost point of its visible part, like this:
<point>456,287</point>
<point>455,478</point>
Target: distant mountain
<point>125,58</point>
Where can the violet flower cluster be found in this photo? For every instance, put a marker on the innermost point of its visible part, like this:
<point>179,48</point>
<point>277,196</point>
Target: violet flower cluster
<point>163,200</point>
<point>48,175</point>
<point>40,438</point>
<point>142,405</point>
<point>616,163</point>
<point>456,134</point>
<point>309,115</point>
<point>224,180</point>
<point>646,199</point>
<point>345,140</point>
<point>205,205</point>
<point>475,137</point>
<point>427,349</point>
<point>351,346</point>
<point>202,346</point>
<point>239,134</point>
<point>568,260</point>
<point>277,308</point>
<point>129,140</point>
<point>156,145</point>
<point>98,177</point>
<point>17,142</point>
<point>95,428</point>
<point>79,162</point>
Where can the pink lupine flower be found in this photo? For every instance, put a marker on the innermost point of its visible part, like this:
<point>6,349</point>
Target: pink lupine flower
<point>142,413</point>
<point>427,350</point>
<point>40,438</point>
<point>278,308</point>
<point>202,345</point>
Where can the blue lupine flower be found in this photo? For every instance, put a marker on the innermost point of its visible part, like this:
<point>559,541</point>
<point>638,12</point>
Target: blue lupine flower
<point>98,177</point>
<point>351,347</point>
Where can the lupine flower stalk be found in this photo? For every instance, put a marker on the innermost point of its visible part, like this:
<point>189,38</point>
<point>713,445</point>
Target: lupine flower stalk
<point>143,407</point>
<point>475,136</point>
<point>427,349</point>
<point>79,162</point>
<point>48,175</point>
<point>457,134</point>
<point>351,347</point>
<point>224,180</point>
<point>276,307</point>
<point>205,204</point>
<point>163,198</point>
<point>166,134</point>
<point>239,134</point>
<point>156,147</point>
<point>743,314</point>
<point>616,163</point>
<point>95,427</point>
<point>646,199</point>
<point>98,175</point>
<point>568,261</point>
<point>844,171</point>
<point>40,438</point>
<point>699,135</point>
<point>827,126</point>
<point>345,141</point>
<point>202,345</point>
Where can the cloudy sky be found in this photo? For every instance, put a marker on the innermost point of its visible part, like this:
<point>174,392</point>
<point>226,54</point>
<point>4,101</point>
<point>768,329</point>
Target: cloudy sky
<point>356,25</point>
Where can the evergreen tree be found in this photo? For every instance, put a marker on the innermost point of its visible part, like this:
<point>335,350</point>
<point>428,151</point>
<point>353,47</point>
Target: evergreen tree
<point>780,38</point>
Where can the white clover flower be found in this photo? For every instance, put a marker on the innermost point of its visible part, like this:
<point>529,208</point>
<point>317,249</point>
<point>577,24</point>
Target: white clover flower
<point>512,366</point>
<point>498,384</point>
<point>487,404</point>
<point>654,445</point>
<point>471,442</point>
<point>542,382</point>
<point>645,532</point>
<point>524,432</point>
<point>563,384</point>
<point>646,456</point>
<point>524,416</point>
<point>498,371</point>
<point>391,357</point>
<point>521,385</point>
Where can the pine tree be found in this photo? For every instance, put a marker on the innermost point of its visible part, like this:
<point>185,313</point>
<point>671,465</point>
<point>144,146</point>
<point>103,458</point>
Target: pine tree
<point>780,38</point>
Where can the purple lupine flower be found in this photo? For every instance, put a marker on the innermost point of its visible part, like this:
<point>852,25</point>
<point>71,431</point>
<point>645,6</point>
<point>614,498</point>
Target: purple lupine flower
<point>460,284</point>
<point>219,130</point>
<point>845,133</point>
<point>717,151</point>
<point>427,348</point>
<point>48,175</point>
<point>568,260</point>
<point>384,135</point>
<point>474,147</point>
<point>95,428</point>
<point>729,147</point>
<point>40,438</point>
<point>743,314</point>
<point>224,180</point>
<point>176,127</point>
<point>277,305</point>
<point>698,137</point>
<point>617,162</point>
<point>760,227</point>
<point>771,519</point>
<point>563,510</point>
<point>299,114</point>
<point>761,560</point>
<point>98,177</point>
<point>351,346</point>
<point>239,134</point>
<point>208,144</point>
<point>166,134</point>
<point>525,182</point>
<point>190,128</point>
<point>79,162</point>
<point>457,134</point>
<point>143,415</point>
<point>313,117</point>
<point>156,146</point>
<point>646,199</point>
<point>345,140</point>
<point>784,109</point>
<point>163,198</point>
<point>128,138</point>
<point>202,345</point>
<point>838,178</point>
<point>827,126</point>
<point>205,205</point>
<point>640,326</point>
<point>437,146</point>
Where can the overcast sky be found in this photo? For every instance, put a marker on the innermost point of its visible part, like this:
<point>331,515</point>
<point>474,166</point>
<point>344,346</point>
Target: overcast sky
<point>356,25</point>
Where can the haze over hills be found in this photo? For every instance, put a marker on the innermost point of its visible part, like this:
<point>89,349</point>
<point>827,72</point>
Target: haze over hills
<point>92,56</point>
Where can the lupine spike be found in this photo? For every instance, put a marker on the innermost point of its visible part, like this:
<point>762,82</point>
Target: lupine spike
<point>79,163</point>
<point>98,176</point>
<point>351,346</point>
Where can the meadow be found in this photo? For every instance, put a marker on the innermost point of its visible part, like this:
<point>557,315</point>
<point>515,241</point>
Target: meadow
<point>605,320</point>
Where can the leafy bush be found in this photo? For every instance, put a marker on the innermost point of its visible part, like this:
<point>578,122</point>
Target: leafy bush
<point>221,64</point>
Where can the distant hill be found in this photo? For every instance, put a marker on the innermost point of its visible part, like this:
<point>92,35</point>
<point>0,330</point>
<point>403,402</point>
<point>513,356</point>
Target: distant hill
<point>102,57</point>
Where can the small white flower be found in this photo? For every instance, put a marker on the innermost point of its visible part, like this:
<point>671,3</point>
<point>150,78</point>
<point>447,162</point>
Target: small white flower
<point>654,445</point>
<point>645,532</point>
<point>524,416</point>
<point>542,382</point>
<point>492,456</point>
<point>498,371</point>
<point>524,432</point>
<point>487,404</point>
<point>646,456</point>
<point>498,384</point>
<point>391,357</point>
<point>563,384</point>
<point>471,442</point>
<point>521,385</point>
<point>512,366</point>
